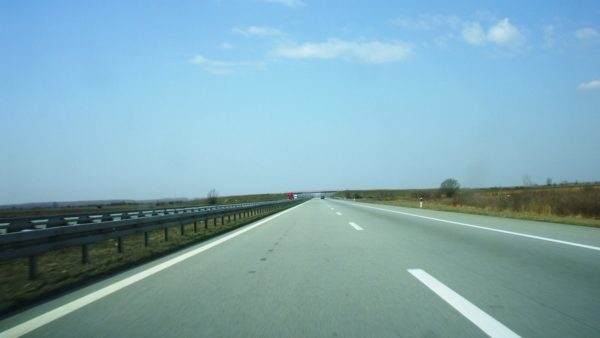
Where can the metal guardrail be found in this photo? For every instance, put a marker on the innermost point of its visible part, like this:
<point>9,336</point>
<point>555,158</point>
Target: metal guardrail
<point>45,233</point>
<point>8,225</point>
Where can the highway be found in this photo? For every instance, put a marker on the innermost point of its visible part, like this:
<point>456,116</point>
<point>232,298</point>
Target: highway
<point>330,268</point>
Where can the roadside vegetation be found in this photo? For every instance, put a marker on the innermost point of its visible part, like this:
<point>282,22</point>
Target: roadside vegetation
<point>566,203</point>
<point>212,198</point>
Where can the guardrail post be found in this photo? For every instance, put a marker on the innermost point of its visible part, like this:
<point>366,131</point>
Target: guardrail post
<point>181,229</point>
<point>85,258</point>
<point>56,221</point>
<point>84,220</point>
<point>145,238</point>
<point>195,226</point>
<point>120,244</point>
<point>32,267</point>
<point>222,220</point>
<point>228,218</point>
<point>206,223</point>
<point>166,234</point>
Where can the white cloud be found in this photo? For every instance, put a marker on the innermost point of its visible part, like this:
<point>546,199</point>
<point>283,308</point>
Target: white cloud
<point>199,60</point>
<point>441,41</point>
<point>473,33</point>
<point>426,22</point>
<point>587,34</point>
<point>287,3</point>
<point>258,31</point>
<point>226,45</point>
<point>503,33</point>
<point>500,33</point>
<point>594,84</point>
<point>220,67</point>
<point>549,36</point>
<point>370,52</point>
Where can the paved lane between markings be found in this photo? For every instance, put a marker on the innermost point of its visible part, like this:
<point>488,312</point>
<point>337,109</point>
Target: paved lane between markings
<point>485,322</point>
<point>590,247</point>
<point>61,311</point>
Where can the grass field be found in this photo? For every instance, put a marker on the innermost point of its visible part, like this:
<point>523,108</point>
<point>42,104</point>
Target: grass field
<point>577,204</point>
<point>61,270</point>
<point>26,212</point>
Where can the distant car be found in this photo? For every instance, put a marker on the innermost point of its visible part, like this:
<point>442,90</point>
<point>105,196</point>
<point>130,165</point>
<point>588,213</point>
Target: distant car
<point>322,197</point>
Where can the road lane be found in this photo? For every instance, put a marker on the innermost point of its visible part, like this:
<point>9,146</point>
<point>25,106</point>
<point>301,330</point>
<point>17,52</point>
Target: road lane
<point>309,273</point>
<point>534,286</point>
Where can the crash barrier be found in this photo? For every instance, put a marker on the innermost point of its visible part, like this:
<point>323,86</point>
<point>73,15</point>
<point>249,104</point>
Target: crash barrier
<point>30,237</point>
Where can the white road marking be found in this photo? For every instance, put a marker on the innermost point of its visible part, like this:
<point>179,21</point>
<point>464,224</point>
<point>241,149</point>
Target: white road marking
<point>63,310</point>
<point>585,246</point>
<point>339,213</point>
<point>356,226</point>
<point>482,320</point>
<point>332,209</point>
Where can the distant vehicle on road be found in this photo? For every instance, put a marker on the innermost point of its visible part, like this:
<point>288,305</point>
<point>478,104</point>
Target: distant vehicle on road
<point>322,197</point>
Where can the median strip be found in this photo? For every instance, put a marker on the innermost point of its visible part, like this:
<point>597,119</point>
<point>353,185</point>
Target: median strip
<point>482,320</point>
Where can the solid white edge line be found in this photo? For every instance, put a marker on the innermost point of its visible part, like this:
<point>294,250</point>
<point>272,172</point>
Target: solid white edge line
<point>591,247</point>
<point>63,310</point>
<point>482,320</point>
<point>355,226</point>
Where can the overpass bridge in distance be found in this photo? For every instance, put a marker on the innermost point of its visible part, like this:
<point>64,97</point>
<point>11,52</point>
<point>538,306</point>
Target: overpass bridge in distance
<point>315,193</point>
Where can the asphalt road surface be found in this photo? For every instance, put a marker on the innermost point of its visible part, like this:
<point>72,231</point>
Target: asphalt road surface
<point>330,268</point>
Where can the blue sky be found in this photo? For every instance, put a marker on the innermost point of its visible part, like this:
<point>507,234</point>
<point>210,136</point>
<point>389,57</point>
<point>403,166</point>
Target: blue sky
<point>141,99</point>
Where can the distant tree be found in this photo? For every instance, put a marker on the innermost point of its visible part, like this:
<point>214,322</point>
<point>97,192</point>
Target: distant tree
<point>449,187</point>
<point>212,196</point>
<point>527,182</point>
<point>548,181</point>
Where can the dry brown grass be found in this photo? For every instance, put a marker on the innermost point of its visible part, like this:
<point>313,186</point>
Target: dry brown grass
<point>570,204</point>
<point>27,212</point>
